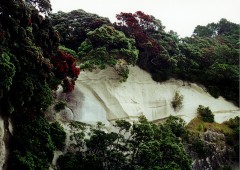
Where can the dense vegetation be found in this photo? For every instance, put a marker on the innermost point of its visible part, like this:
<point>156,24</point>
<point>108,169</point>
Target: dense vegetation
<point>31,67</point>
<point>209,56</point>
<point>33,144</point>
<point>108,46</point>
<point>205,113</point>
<point>141,145</point>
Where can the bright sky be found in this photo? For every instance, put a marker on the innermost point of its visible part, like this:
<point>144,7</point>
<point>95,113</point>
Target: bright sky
<point>181,16</point>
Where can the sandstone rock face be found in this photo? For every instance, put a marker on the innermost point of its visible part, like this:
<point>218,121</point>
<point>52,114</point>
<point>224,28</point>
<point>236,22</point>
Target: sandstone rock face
<point>2,145</point>
<point>219,153</point>
<point>99,96</point>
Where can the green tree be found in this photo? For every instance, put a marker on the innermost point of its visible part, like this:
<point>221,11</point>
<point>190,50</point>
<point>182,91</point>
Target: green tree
<point>205,113</point>
<point>107,46</point>
<point>28,44</point>
<point>74,26</point>
<point>33,144</point>
<point>177,101</point>
<point>141,145</point>
<point>211,57</point>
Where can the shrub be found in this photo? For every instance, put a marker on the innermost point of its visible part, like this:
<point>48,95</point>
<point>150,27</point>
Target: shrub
<point>177,101</point>
<point>205,114</point>
<point>33,144</point>
<point>141,145</point>
<point>177,126</point>
<point>60,106</point>
<point>198,146</point>
<point>58,135</point>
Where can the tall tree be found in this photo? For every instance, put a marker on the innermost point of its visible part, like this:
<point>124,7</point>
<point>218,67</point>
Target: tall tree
<point>30,65</point>
<point>74,26</point>
<point>141,145</point>
<point>148,32</point>
<point>108,46</point>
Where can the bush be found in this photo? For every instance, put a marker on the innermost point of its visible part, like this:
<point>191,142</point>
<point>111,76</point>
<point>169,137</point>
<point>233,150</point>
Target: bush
<point>33,144</point>
<point>60,106</point>
<point>58,135</point>
<point>205,114</point>
<point>177,126</point>
<point>177,101</point>
<point>141,145</point>
<point>198,146</point>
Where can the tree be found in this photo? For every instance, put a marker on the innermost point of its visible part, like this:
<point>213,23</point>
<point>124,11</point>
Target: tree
<point>107,46</point>
<point>206,31</point>
<point>211,57</point>
<point>28,57</point>
<point>141,145</point>
<point>42,5</point>
<point>177,101</point>
<point>177,126</point>
<point>33,143</point>
<point>74,26</point>
<point>155,54</point>
<point>65,69</point>
<point>205,113</point>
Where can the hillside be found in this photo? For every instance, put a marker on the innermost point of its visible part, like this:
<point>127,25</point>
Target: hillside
<point>99,96</point>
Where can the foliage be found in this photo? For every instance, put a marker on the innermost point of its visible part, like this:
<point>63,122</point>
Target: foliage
<point>177,126</point>
<point>157,49</point>
<point>74,26</point>
<point>69,51</point>
<point>65,69</point>
<point>59,106</point>
<point>141,145</point>
<point>40,140</point>
<point>198,125</point>
<point>233,138</point>
<point>28,53</point>
<point>205,113</point>
<point>107,46</point>
<point>8,72</point>
<point>177,101</point>
<point>58,135</point>
<point>42,5</point>
<point>30,68</point>
<point>210,57</point>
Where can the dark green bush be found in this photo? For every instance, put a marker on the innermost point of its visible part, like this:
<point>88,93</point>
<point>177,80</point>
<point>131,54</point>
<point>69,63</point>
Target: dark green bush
<point>205,113</point>
<point>58,135</point>
<point>141,145</point>
<point>33,144</point>
<point>197,145</point>
<point>177,101</point>
<point>214,91</point>
<point>60,106</point>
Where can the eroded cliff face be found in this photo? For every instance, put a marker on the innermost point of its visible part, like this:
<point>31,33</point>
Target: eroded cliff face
<point>2,145</point>
<point>219,153</point>
<point>99,96</point>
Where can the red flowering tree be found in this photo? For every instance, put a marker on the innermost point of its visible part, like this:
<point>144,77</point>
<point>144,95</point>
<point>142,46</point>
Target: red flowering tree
<point>153,56</point>
<point>65,69</point>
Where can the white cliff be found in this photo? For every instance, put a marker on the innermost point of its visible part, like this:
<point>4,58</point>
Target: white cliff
<point>99,96</point>
<point>2,145</point>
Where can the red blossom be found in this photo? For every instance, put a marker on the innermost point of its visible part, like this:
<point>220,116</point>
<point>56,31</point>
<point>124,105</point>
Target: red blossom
<point>65,68</point>
<point>68,85</point>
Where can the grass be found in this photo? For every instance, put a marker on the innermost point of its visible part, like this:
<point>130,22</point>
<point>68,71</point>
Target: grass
<point>198,125</point>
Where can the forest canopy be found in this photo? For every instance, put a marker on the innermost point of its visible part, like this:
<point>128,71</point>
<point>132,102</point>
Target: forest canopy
<point>209,57</point>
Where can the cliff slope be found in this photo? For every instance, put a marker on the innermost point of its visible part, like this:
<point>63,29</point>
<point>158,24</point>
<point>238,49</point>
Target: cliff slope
<point>99,96</point>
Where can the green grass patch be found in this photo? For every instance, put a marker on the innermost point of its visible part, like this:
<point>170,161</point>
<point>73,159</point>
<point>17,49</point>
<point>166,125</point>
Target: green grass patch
<point>198,125</point>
